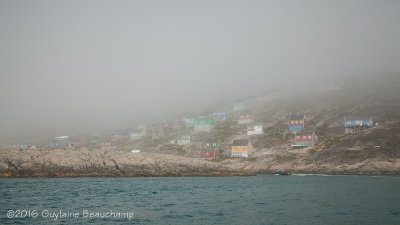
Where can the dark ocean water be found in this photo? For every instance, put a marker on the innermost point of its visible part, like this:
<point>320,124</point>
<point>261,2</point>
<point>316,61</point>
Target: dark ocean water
<point>263,199</point>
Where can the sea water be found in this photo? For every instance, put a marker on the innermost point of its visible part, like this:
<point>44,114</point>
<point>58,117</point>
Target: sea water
<point>262,199</point>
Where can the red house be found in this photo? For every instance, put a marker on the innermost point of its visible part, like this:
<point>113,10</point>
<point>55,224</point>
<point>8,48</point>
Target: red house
<point>246,118</point>
<point>305,139</point>
<point>210,148</point>
<point>208,154</point>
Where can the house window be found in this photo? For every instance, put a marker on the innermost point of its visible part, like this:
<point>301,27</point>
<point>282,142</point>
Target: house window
<point>208,144</point>
<point>291,122</point>
<point>309,137</point>
<point>214,144</point>
<point>301,121</point>
<point>297,137</point>
<point>297,122</point>
<point>304,137</point>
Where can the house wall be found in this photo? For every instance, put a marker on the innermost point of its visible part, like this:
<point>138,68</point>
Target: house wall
<point>240,154</point>
<point>209,155</point>
<point>211,145</point>
<point>219,115</point>
<point>296,122</point>
<point>189,121</point>
<point>240,151</point>
<point>295,128</point>
<point>245,121</point>
<point>183,142</point>
<point>300,137</point>
<point>357,123</point>
<point>254,130</point>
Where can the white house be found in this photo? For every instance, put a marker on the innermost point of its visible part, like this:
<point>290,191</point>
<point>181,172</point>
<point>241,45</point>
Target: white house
<point>253,129</point>
<point>184,136</point>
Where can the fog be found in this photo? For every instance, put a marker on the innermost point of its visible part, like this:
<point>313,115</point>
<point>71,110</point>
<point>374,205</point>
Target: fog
<point>71,67</point>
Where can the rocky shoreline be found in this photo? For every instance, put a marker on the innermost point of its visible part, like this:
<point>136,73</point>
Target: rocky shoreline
<point>100,163</point>
<point>16,163</point>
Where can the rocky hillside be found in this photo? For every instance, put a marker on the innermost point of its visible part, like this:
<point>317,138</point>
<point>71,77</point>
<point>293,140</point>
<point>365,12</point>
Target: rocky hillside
<point>373,151</point>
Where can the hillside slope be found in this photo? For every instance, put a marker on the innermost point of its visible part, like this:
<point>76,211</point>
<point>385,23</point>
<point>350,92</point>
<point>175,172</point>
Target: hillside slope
<point>373,151</point>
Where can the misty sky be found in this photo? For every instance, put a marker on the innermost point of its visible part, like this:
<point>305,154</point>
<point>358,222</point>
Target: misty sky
<point>78,66</point>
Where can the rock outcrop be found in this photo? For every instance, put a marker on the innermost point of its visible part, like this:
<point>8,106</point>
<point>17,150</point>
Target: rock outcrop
<point>94,162</point>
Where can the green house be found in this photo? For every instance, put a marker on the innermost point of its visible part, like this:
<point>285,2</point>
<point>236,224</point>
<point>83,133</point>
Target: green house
<point>239,106</point>
<point>204,125</point>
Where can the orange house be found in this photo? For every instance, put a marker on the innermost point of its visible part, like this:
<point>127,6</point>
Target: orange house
<point>241,148</point>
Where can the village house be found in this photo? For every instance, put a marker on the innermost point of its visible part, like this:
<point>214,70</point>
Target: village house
<point>297,122</point>
<point>241,148</point>
<point>184,136</point>
<point>246,118</point>
<point>239,105</point>
<point>61,142</point>
<point>304,139</point>
<point>353,124</point>
<point>135,134</point>
<point>111,145</point>
<point>219,115</point>
<point>204,125</point>
<point>253,129</point>
<point>210,148</point>
<point>189,122</point>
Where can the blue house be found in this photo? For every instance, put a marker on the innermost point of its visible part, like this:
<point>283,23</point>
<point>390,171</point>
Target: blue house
<point>353,124</point>
<point>296,122</point>
<point>189,121</point>
<point>219,115</point>
<point>358,122</point>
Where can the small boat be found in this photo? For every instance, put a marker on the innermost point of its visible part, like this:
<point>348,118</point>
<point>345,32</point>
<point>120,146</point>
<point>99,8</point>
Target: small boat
<point>283,173</point>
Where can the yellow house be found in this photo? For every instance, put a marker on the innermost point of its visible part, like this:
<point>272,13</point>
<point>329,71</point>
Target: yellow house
<point>241,148</point>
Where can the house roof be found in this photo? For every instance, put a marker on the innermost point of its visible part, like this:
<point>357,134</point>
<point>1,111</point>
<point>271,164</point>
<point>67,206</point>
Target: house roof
<point>62,137</point>
<point>242,142</point>
<point>212,140</point>
<point>297,117</point>
<point>204,122</point>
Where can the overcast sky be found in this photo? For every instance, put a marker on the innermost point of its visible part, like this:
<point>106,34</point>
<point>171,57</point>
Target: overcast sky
<point>79,66</point>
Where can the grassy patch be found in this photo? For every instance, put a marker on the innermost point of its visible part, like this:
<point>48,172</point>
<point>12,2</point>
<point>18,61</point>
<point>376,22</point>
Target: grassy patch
<point>220,158</point>
<point>286,158</point>
<point>334,141</point>
<point>225,129</point>
<point>250,159</point>
<point>177,148</point>
<point>273,136</point>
